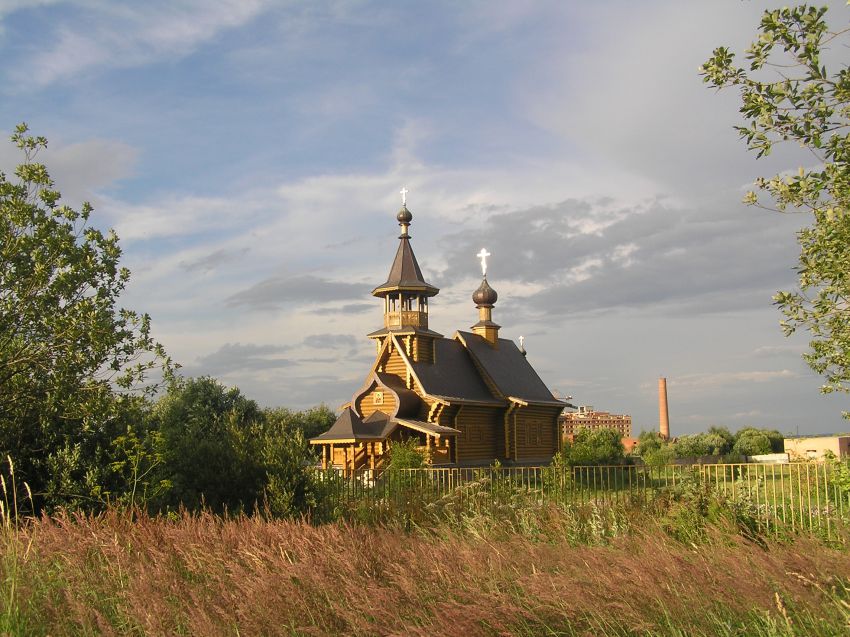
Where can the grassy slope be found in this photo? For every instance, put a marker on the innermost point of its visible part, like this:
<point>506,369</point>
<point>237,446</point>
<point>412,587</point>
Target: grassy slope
<point>207,576</point>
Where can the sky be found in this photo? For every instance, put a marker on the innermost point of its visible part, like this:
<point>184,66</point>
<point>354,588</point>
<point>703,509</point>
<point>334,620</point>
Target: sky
<point>249,154</point>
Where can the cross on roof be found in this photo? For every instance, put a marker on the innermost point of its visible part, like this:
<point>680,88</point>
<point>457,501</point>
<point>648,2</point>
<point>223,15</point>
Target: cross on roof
<point>404,192</point>
<point>522,342</point>
<point>483,256</point>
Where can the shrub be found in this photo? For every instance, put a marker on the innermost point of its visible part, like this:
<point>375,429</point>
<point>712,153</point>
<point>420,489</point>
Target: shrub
<point>594,447</point>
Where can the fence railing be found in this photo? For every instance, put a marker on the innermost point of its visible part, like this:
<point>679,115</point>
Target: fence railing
<point>797,496</point>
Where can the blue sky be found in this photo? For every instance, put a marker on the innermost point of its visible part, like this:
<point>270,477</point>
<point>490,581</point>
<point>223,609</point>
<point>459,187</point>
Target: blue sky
<point>249,154</point>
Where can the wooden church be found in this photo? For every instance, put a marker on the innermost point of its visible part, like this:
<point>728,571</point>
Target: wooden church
<point>468,400</point>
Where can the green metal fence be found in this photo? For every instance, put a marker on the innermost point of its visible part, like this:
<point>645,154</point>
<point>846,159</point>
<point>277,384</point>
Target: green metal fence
<point>797,496</point>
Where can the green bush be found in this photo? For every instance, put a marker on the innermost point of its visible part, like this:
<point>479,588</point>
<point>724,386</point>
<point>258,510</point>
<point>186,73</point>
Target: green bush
<point>593,447</point>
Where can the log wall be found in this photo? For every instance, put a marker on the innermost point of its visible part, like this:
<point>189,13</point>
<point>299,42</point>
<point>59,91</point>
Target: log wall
<point>536,435</point>
<point>480,429</point>
<point>423,349</point>
<point>394,364</point>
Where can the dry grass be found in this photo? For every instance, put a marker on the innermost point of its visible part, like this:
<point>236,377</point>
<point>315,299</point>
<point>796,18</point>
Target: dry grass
<point>208,576</point>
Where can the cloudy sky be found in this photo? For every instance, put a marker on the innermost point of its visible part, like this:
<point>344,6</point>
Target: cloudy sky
<point>249,154</point>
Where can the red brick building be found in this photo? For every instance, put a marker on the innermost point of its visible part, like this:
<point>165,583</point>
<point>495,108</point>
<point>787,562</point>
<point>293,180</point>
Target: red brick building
<point>588,418</point>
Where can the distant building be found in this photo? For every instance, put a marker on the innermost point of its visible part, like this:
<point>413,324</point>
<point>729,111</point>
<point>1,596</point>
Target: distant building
<point>818,447</point>
<point>588,418</point>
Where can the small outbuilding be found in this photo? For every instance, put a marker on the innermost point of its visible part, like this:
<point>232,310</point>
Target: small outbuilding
<point>818,447</point>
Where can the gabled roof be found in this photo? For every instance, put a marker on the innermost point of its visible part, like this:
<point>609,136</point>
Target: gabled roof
<point>453,376</point>
<point>509,370</point>
<point>349,427</point>
<point>405,273</point>
<point>378,425</point>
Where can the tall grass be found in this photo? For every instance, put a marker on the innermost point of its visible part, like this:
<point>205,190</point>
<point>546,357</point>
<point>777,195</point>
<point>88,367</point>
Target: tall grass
<point>208,575</point>
<point>17,549</point>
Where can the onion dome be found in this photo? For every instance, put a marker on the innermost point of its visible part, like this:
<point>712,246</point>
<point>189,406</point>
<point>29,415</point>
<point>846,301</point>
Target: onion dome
<point>484,296</point>
<point>404,215</point>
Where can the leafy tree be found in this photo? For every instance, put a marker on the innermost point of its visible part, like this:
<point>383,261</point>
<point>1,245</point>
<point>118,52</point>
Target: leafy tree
<point>110,464</point>
<point>66,349</point>
<point>788,94</point>
<point>215,448</point>
<point>649,441</point>
<point>654,449</point>
<point>751,441</point>
<point>310,422</point>
<point>136,458</point>
<point>593,447</point>
<point>702,444</point>
<point>291,486</point>
<point>692,445</point>
<point>727,437</point>
<point>210,446</point>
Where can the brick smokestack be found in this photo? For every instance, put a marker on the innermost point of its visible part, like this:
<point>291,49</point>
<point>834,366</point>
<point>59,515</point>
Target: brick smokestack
<point>663,419</point>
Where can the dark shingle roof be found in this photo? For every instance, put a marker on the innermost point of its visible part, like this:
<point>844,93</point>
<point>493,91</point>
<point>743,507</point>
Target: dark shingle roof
<point>509,369</point>
<point>427,427</point>
<point>405,273</point>
<point>378,425</point>
<point>407,329</point>
<point>349,426</point>
<point>453,375</point>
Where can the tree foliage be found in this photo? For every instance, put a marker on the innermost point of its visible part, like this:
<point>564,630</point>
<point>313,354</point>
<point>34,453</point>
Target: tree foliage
<point>67,350</point>
<point>717,441</point>
<point>593,447</point>
<point>788,94</point>
<point>310,422</point>
<point>702,444</point>
<point>79,375</point>
<point>405,454</point>
<point>217,449</point>
<point>207,434</point>
<point>654,449</point>
<point>751,441</point>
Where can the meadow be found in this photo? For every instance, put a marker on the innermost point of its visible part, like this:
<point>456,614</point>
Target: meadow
<point>689,566</point>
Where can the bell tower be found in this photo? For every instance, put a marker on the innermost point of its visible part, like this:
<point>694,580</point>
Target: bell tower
<point>405,292</point>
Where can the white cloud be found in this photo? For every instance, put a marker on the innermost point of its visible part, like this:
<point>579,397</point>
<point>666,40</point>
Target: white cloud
<point>766,351</point>
<point>711,380</point>
<point>116,35</point>
<point>181,215</point>
<point>628,90</point>
<point>748,415</point>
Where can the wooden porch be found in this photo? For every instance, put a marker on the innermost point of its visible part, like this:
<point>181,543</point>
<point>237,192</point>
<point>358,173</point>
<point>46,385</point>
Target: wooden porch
<point>352,457</point>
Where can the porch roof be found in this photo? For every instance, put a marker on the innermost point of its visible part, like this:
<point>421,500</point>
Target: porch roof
<point>349,427</point>
<point>427,427</point>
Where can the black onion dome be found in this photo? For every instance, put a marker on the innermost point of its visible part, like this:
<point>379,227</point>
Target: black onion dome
<point>485,295</point>
<point>404,215</point>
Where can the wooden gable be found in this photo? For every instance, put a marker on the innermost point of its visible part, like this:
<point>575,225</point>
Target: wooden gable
<point>375,398</point>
